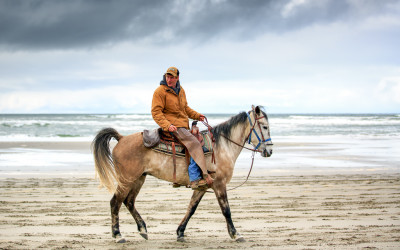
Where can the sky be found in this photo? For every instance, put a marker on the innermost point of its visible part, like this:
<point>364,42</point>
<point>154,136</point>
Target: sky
<point>291,56</point>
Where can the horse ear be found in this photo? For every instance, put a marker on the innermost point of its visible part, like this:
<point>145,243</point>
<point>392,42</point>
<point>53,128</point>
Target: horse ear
<point>258,110</point>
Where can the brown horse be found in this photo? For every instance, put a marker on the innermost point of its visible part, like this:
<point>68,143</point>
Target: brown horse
<point>130,162</point>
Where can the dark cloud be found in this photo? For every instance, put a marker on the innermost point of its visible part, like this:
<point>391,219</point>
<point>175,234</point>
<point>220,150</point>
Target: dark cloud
<point>59,24</point>
<point>54,24</point>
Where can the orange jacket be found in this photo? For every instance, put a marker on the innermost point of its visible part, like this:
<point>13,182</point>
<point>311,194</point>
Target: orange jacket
<point>169,108</point>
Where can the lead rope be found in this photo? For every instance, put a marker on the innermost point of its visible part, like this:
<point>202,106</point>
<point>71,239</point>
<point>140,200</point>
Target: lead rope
<point>248,175</point>
<point>242,146</point>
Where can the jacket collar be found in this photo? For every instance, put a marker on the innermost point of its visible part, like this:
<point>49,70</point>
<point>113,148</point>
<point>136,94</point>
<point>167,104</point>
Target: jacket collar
<point>177,89</point>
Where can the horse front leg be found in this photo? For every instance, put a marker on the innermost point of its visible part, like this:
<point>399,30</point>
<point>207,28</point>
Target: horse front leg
<point>222,197</point>
<point>130,204</point>
<point>194,202</point>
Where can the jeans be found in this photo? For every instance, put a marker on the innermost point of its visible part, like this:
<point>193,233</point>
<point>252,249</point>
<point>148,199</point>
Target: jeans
<point>194,171</point>
<point>196,152</point>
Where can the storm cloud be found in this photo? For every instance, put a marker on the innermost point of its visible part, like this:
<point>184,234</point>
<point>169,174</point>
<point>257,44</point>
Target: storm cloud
<point>292,56</point>
<point>85,24</point>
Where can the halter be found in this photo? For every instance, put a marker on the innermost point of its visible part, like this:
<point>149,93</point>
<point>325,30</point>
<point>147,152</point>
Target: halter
<point>252,130</point>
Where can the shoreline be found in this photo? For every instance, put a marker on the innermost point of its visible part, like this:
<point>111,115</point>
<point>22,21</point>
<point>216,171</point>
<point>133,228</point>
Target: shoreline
<point>59,158</point>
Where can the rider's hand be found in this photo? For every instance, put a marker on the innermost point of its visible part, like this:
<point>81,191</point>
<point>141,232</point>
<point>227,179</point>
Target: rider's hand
<point>202,117</point>
<point>172,128</point>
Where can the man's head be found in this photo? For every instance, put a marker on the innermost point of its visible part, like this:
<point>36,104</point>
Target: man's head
<point>173,71</point>
<point>172,76</point>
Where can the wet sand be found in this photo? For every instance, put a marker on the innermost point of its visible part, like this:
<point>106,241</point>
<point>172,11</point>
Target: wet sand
<point>336,211</point>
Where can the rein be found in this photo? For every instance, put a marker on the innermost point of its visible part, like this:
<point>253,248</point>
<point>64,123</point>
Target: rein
<point>248,138</point>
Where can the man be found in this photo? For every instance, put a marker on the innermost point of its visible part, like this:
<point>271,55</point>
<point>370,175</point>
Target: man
<point>171,112</point>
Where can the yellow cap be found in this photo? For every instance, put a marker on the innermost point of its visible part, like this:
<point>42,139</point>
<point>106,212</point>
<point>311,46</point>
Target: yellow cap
<point>173,71</point>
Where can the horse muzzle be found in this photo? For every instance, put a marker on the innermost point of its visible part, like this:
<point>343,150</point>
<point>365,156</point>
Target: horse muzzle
<point>266,153</point>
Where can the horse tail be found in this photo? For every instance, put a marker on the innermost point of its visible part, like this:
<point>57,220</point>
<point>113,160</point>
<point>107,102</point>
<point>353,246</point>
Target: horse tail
<point>104,163</point>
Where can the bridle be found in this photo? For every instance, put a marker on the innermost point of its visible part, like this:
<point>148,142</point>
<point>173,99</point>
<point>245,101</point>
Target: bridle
<point>252,130</point>
<point>248,140</point>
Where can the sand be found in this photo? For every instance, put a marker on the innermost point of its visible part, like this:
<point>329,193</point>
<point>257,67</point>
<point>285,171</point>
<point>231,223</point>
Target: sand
<point>296,212</point>
<point>292,209</point>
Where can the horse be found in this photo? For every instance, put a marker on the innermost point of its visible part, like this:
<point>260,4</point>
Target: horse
<point>124,171</point>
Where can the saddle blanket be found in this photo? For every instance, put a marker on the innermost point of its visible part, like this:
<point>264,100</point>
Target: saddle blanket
<point>166,147</point>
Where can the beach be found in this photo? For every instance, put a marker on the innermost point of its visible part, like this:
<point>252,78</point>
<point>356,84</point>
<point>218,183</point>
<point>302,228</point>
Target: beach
<point>284,205</point>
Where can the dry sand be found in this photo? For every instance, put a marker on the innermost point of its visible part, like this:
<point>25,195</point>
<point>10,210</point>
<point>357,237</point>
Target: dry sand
<point>271,212</point>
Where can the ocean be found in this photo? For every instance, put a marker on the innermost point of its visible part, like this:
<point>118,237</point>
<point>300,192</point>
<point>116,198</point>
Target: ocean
<point>364,141</point>
<point>83,127</point>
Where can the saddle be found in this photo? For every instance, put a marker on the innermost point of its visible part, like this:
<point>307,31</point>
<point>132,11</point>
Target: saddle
<point>162,142</point>
<point>165,143</point>
<point>151,138</point>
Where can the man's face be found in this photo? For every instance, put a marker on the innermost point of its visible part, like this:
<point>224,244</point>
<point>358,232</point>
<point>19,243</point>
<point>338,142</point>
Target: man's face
<point>171,80</point>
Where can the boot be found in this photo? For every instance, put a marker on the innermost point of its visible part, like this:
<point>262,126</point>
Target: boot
<point>199,185</point>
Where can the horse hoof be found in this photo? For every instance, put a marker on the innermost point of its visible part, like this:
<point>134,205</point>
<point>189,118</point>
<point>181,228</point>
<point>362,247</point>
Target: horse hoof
<point>144,235</point>
<point>240,239</point>
<point>181,239</point>
<point>119,239</point>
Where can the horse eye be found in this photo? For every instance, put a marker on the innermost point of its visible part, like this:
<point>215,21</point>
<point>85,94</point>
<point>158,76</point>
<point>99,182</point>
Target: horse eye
<point>265,127</point>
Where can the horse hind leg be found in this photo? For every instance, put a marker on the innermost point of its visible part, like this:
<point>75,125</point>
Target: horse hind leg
<point>194,202</point>
<point>130,204</point>
<point>115,204</point>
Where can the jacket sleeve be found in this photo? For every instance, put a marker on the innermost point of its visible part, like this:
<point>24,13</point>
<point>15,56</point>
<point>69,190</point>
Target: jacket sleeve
<point>192,114</point>
<point>157,107</point>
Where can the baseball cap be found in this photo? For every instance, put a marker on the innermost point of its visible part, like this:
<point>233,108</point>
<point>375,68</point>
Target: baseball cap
<point>173,71</point>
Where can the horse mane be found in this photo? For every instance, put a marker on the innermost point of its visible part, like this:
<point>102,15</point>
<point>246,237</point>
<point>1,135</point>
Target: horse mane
<point>225,128</point>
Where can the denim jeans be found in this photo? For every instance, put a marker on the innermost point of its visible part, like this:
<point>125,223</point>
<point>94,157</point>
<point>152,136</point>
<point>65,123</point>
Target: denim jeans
<point>196,152</point>
<point>194,171</point>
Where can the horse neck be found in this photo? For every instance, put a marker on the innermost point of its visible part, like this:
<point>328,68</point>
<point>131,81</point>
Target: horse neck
<point>238,135</point>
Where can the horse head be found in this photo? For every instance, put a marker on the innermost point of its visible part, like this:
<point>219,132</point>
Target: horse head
<point>259,135</point>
